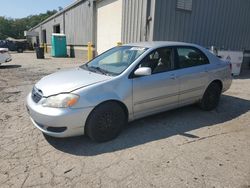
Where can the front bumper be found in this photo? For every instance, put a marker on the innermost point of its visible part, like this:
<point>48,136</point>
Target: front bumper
<point>58,122</point>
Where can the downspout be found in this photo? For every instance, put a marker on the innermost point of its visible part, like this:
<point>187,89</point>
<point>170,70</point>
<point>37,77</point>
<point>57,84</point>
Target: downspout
<point>64,23</point>
<point>94,23</point>
<point>150,20</point>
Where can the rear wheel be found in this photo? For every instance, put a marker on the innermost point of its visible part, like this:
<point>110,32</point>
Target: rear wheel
<point>106,122</point>
<point>20,50</point>
<point>211,97</point>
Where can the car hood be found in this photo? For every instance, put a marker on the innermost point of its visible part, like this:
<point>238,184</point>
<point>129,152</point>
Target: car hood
<point>67,81</point>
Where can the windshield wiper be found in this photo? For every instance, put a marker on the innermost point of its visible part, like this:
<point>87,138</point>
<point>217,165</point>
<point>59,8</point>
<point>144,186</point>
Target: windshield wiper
<point>97,69</point>
<point>101,70</point>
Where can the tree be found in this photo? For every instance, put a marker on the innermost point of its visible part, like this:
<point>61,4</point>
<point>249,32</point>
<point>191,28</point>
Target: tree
<point>15,27</point>
<point>60,8</point>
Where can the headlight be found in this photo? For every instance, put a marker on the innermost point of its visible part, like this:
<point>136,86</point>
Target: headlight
<point>61,101</point>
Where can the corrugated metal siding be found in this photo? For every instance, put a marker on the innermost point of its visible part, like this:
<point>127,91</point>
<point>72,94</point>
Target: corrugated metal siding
<point>223,23</point>
<point>49,27</point>
<point>79,24</point>
<point>134,20</point>
<point>33,39</point>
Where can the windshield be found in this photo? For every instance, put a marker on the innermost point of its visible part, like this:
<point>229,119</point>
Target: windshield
<point>115,60</point>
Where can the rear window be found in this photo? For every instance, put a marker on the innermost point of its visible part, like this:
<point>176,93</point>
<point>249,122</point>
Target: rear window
<point>189,57</point>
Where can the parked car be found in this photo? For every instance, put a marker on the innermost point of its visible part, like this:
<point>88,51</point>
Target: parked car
<point>4,55</point>
<point>3,44</point>
<point>18,46</point>
<point>126,83</point>
<point>12,44</point>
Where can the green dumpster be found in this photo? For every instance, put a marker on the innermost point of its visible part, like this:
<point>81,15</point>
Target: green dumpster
<point>59,45</point>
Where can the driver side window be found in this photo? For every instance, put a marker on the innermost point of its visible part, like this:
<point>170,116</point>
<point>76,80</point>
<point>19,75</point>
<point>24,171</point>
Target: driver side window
<point>160,60</point>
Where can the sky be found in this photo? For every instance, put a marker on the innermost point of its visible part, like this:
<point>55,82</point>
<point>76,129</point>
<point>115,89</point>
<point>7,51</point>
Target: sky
<point>23,8</point>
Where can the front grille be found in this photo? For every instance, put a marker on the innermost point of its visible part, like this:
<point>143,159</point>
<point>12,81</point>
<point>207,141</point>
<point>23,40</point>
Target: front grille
<point>36,95</point>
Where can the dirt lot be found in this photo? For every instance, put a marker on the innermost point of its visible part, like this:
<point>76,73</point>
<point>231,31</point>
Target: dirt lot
<point>186,147</point>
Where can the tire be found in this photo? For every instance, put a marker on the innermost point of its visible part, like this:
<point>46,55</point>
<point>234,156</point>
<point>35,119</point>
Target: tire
<point>211,97</point>
<point>20,50</point>
<point>105,122</point>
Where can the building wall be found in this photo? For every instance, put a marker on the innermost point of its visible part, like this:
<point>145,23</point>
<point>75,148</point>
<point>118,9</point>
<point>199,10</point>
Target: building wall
<point>134,22</point>
<point>76,23</point>
<point>49,27</point>
<point>79,24</point>
<point>74,52</point>
<point>222,23</point>
<point>37,29</point>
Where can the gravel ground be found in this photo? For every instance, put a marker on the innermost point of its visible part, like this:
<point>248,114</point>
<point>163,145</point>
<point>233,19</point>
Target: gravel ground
<point>186,147</point>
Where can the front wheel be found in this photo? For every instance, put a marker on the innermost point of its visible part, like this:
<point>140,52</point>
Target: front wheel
<point>106,122</point>
<point>211,97</point>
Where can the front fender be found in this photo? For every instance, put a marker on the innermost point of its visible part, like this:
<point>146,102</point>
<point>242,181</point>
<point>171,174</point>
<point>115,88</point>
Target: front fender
<point>115,89</point>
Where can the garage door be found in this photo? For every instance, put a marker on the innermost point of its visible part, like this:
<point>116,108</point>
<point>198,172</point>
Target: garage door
<point>109,24</point>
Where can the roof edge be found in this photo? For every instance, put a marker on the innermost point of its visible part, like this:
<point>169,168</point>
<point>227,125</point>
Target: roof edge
<point>59,13</point>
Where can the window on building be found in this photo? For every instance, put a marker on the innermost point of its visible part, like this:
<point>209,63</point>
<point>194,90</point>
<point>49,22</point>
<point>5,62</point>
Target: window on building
<point>56,29</point>
<point>184,5</point>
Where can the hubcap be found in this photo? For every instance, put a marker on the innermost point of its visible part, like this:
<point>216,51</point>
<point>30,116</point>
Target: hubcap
<point>106,122</point>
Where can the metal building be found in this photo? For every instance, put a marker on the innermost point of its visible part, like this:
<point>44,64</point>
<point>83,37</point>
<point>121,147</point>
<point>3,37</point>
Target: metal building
<point>221,23</point>
<point>76,21</point>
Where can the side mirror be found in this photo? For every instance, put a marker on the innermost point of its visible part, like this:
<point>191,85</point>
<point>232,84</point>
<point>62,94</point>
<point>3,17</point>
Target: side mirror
<point>143,71</point>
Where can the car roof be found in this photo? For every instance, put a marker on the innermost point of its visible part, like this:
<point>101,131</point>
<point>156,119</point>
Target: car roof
<point>158,44</point>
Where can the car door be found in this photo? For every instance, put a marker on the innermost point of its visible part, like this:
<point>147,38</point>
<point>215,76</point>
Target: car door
<point>192,73</point>
<point>158,91</point>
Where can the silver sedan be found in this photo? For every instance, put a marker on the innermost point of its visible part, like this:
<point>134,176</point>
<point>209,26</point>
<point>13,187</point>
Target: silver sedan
<point>126,83</point>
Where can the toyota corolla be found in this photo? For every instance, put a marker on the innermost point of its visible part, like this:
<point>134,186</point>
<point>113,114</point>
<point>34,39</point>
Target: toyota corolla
<point>126,83</point>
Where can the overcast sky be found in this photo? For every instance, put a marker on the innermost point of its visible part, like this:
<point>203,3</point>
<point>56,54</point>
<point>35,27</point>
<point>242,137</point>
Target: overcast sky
<point>23,8</point>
